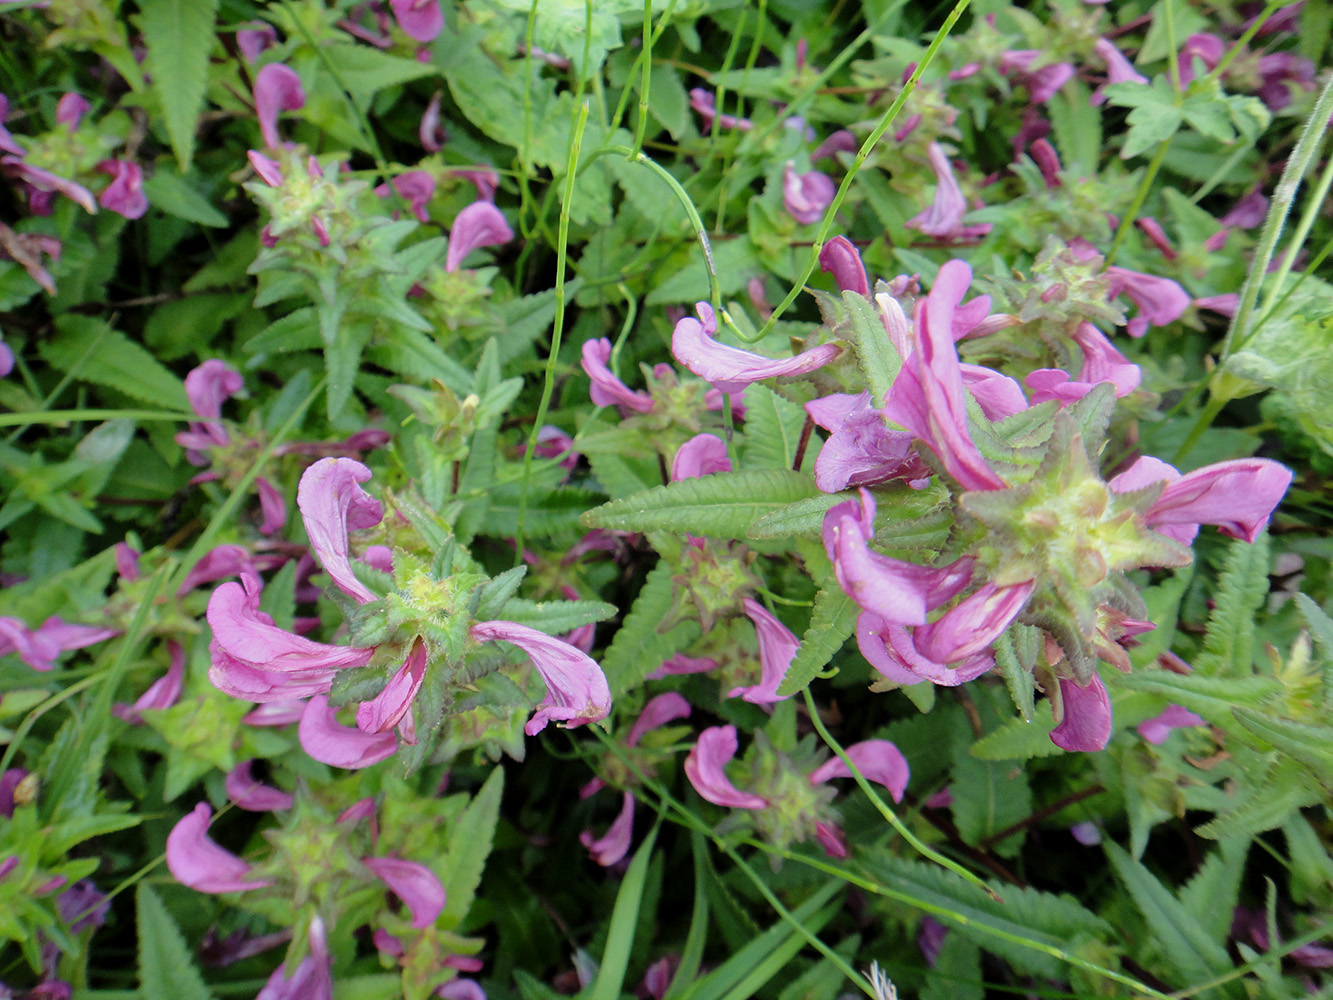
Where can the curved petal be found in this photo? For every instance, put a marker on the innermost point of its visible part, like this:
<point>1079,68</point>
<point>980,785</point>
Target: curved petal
<point>729,368</point>
<point>704,767</point>
<point>416,885</point>
<point>576,688</point>
<point>972,625</point>
<point>277,88</point>
<point>272,506</point>
<point>252,795</point>
<point>806,196</point>
<point>1086,725</point>
<point>701,455</point>
<point>333,503</point>
<point>124,195</point>
<point>840,257</point>
<point>1159,727</point>
<point>777,648</point>
<point>890,650</point>
<point>659,711</point>
<point>386,709</point>
<point>1237,496</point>
<point>196,861</point>
<point>313,978</point>
<point>481,224</point>
<point>833,840</point>
<point>209,385</point>
<point>421,20</point>
<point>340,746</point>
<point>614,845</point>
<point>248,635</point>
<point>607,389</point>
<point>878,760</point>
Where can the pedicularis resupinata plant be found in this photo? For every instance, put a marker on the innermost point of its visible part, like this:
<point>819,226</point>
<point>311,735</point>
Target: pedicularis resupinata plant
<point>689,499</point>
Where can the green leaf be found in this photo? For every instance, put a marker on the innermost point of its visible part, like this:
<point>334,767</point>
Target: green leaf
<point>638,647</point>
<point>804,517</point>
<point>1191,953</point>
<point>1212,894</point>
<point>166,967</point>
<point>179,36</point>
<point>988,797</point>
<point>1228,649</point>
<point>875,354</point>
<point>365,71</point>
<point>1212,697</point>
<point>470,842</point>
<point>773,428</point>
<point>1019,739</point>
<point>733,259</point>
<point>832,622</point>
<point>624,921</point>
<point>173,194</point>
<point>90,350</point>
<point>718,506</point>
<point>1311,745</point>
<point>555,617</point>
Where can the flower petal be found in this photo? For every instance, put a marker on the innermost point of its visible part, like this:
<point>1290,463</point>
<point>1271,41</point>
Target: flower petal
<point>251,794</point>
<point>729,368</point>
<point>1086,725</point>
<point>333,503</point>
<point>481,224</point>
<point>878,760</point>
<point>416,885</point>
<point>576,688</point>
<point>340,746</point>
<point>196,861</point>
<point>614,845</point>
<point>277,88</point>
<point>710,754</point>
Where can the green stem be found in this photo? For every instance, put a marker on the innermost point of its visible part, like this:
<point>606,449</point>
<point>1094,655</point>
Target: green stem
<point>1140,196</point>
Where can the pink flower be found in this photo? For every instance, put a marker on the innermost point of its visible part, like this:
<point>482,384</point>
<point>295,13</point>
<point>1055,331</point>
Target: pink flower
<point>277,88</point>
<point>479,225</point>
<point>162,693</point>
<point>311,980</point>
<point>332,503</point>
<point>1118,69</point>
<point>324,739</point>
<point>1086,725</point>
<point>70,109</point>
<point>972,625</point>
<point>1159,727</point>
<point>729,368</point>
<point>701,455</point>
<point>207,387</point>
<point>861,450</point>
<point>840,256</point>
<point>124,195</point>
<point>1042,83</point>
<point>430,131</point>
<point>1101,363</point>
<point>607,390</point>
<point>1152,229</point>
<point>576,688</point>
<point>1237,496</point>
<point>895,591</point>
<point>196,861</point>
<point>927,397</point>
<point>878,760</point>
<point>840,141</point>
<point>251,794</point>
<point>1048,162</point>
<point>611,847</point>
<point>777,648</point>
<point>421,20</point>
<point>944,218</point>
<point>1160,300</point>
<point>703,102</point>
<point>388,708</point>
<point>254,38</point>
<point>715,747</point>
<point>416,885</point>
<point>417,186</point>
<point>806,196</point>
<point>39,648</point>
<point>42,181</point>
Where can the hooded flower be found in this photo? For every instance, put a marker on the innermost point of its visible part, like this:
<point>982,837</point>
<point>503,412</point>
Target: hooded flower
<point>312,979</point>
<point>253,795</point>
<point>701,455</point>
<point>332,503</point>
<point>277,88</point>
<point>1160,300</point>
<point>415,884</point>
<point>324,739</point>
<point>729,368</point>
<point>576,688</point>
<point>124,195</point>
<point>1118,69</point>
<point>1159,727</point>
<point>777,648</point>
<point>704,766</point>
<point>612,846</point>
<point>806,196</point>
<point>421,20</point>
<point>389,708</point>
<point>479,225</point>
<point>840,257</point>
<point>607,389</point>
<point>417,187</point>
<point>861,449</point>
<point>39,648</point>
<point>890,650</point>
<point>1237,496</point>
<point>1086,725</point>
<point>196,861</point>
<point>1044,82</point>
<point>703,102</point>
<point>944,218</point>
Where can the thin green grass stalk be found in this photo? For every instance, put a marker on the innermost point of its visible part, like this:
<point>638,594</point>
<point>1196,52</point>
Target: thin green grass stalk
<point>1283,197</point>
<point>1173,57</point>
<point>720,95</point>
<point>643,58</point>
<point>1140,196</point>
<point>884,810</point>
<point>862,154</point>
<point>645,80</point>
<point>1310,269</point>
<point>66,379</point>
<point>72,416</point>
<point>37,711</point>
<point>1239,46</point>
<point>720,225</point>
<point>558,328</point>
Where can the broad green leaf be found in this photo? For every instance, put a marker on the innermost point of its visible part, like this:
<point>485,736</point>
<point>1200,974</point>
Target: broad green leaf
<point>365,71</point>
<point>1311,745</point>
<point>92,351</point>
<point>555,617</point>
<point>1192,953</point>
<point>688,282</point>
<point>773,428</point>
<point>832,623</point>
<point>166,967</point>
<point>470,842</point>
<point>988,797</point>
<point>625,918</point>
<point>1212,894</point>
<point>1228,649</point>
<point>875,354</point>
<point>639,647</point>
<point>173,194</point>
<point>804,517</point>
<point>179,36</point>
<point>1019,739</point>
<point>718,506</point>
<point>1212,697</point>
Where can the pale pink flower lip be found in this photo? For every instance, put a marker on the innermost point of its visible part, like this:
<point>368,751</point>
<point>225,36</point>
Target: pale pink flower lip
<point>1160,300</point>
<point>277,88</point>
<point>333,503</point>
<point>943,219</point>
<point>1086,725</point>
<point>702,455</point>
<point>252,795</point>
<point>415,884</point>
<point>576,688</point>
<point>704,767</point>
<point>806,196</point>
<point>972,625</point>
<point>1238,496</point>
<point>329,742</point>
<point>777,648</point>
<point>196,861</point>
<point>421,20</point>
<point>890,650</point>
<point>124,195</point>
<point>387,709</point>
<point>729,368</point>
<point>607,390</point>
<point>481,224</point>
<point>878,760</point>
<point>1160,726</point>
<point>660,710</point>
<point>612,846</point>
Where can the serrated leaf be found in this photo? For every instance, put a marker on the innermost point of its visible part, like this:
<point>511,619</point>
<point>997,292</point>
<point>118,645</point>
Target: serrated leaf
<point>804,517</point>
<point>166,967</point>
<point>988,797</point>
<point>832,623</point>
<point>178,35</point>
<point>1311,745</point>
<point>1019,739</point>
<point>773,428</point>
<point>365,71</point>
<point>1212,697</point>
<point>875,354</point>
<point>1194,956</point>
<point>94,352</point>
<point>1228,649</point>
<point>173,194</point>
<point>470,842</point>
<point>718,506</point>
<point>1211,895</point>
<point>556,617</point>
<point>638,647</point>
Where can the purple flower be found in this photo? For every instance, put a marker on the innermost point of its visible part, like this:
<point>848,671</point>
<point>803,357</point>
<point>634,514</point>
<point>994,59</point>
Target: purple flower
<point>430,131</point>
<point>1277,71</point>
<point>840,256</point>
<point>1101,363</point>
<point>324,739</point>
<point>1044,82</point>
<point>701,455</point>
<point>729,368</point>
<point>311,980</point>
<point>1086,725</point>
<point>207,387</point>
<point>479,225</point>
<point>416,885</point>
<point>1160,300</point>
<point>777,648</point>
<point>944,218</point>
<point>612,846</point>
<point>1118,69</point>
<point>576,688</point>
<point>43,181</point>
<point>840,141</point>
<point>703,102</point>
<point>253,38</point>
<point>1159,727</point>
<point>124,195</point>
<point>196,861</point>
<point>861,450</point>
<point>418,187</point>
<point>1237,496</point>
<point>251,794</point>
<point>895,591</point>
<point>607,390</point>
<point>70,109</point>
<point>973,624</point>
<point>878,760</point>
<point>806,196</point>
<point>162,693</point>
<point>271,505</point>
<point>998,395</point>
<point>390,707</point>
<point>1207,48</point>
<point>39,648</point>
<point>277,88</point>
<point>1048,162</point>
<point>927,397</point>
<point>421,20</point>
<point>332,503</point>
<point>715,747</point>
